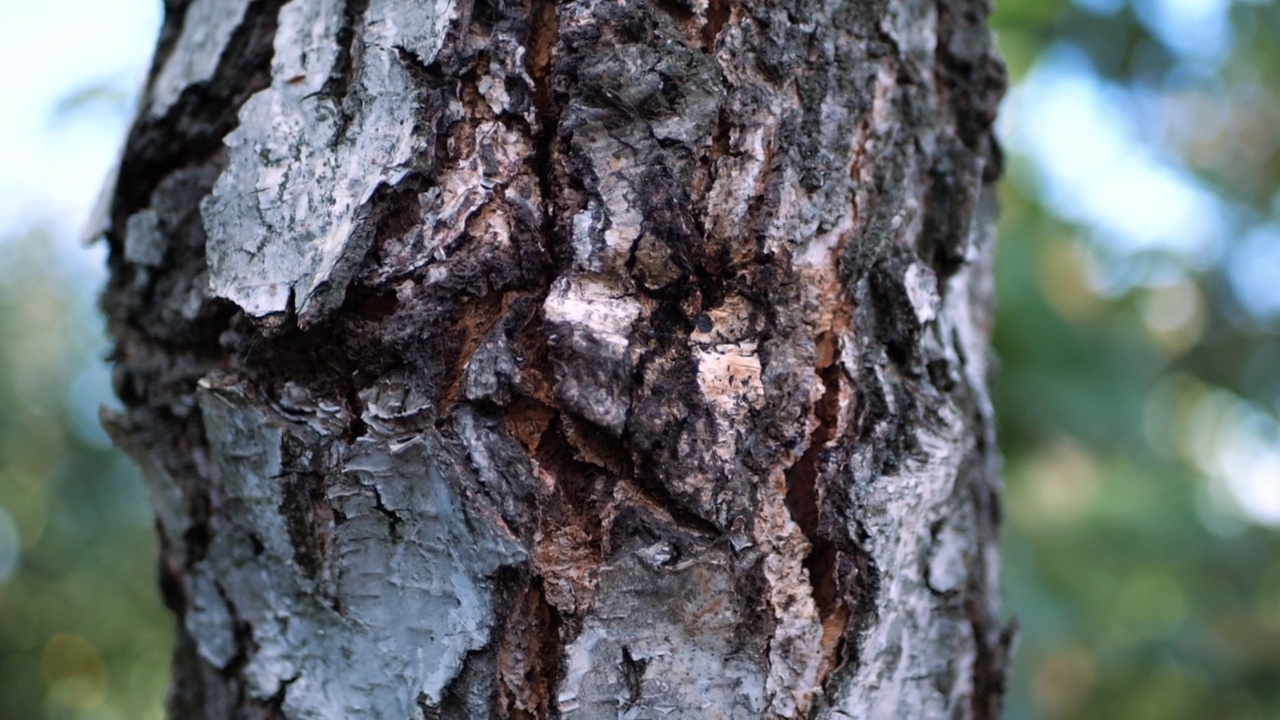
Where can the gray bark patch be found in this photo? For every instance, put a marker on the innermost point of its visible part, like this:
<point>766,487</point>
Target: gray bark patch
<point>207,27</point>
<point>409,594</point>
<point>287,220</point>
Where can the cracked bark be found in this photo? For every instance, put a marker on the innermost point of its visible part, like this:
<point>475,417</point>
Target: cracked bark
<point>601,358</point>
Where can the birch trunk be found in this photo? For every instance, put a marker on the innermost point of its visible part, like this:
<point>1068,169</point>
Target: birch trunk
<point>590,359</point>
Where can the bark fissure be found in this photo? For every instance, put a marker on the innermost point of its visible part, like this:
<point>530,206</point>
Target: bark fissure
<point>528,657</point>
<point>344,67</point>
<point>540,59</point>
<point>718,12</point>
<point>191,130</point>
<point>803,493</point>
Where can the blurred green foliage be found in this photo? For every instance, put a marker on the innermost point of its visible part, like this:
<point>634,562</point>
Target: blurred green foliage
<point>82,630</point>
<point>1140,381</point>
<point>1137,396</point>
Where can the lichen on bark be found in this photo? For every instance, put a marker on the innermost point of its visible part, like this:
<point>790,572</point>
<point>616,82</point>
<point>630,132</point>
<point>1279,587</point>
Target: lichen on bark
<point>583,359</point>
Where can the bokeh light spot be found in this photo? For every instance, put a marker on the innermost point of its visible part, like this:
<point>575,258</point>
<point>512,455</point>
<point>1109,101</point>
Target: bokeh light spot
<point>1148,605</point>
<point>1064,681</point>
<point>1064,272</point>
<point>73,672</point>
<point>1174,314</point>
<point>1062,480</point>
<point>10,545</point>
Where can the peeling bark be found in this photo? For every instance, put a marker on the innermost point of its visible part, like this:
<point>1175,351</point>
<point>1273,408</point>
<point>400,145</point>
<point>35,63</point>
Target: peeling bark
<point>586,359</point>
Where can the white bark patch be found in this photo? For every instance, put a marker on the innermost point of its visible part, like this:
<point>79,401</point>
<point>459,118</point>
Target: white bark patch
<point>286,216</point>
<point>620,174</point>
<point>740,178</point>
<point>922,292</point>
<point>590,322</point>
<point>729,369</point>
<point>457,199</point>
<point>817,255</point>
<point>144,244</point>
<point>411,594</point>
<point>901,665</point>
<point>207,27</point>
<point>729,376</point>
<point>662,642</point>
<point>947,567</point>
<point>595,309</point>
<point>964,317</point>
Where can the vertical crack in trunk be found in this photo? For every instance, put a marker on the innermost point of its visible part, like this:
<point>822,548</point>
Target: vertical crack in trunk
<point>805,500</point>
<point>991,661</point>
<point>633,674</point>
<point>540,59</point>
<point>718,12</point>
<point>353,14</point>
<point>344,68</point>
<point>528,655</point>
<point>803,494</point>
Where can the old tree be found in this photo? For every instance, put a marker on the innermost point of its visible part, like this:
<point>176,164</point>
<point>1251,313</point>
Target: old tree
<point>581,359</point>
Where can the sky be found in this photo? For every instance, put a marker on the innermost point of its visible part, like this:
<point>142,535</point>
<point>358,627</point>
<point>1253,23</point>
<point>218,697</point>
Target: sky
<point>52,163</point>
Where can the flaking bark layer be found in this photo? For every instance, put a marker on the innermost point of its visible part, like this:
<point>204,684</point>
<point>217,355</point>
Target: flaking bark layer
<point>587,359</point>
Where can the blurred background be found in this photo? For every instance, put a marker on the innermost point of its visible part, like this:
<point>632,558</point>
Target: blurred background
<point>1138,396</point>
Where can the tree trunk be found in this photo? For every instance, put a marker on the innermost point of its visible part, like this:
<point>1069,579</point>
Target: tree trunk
<point>591,359</point>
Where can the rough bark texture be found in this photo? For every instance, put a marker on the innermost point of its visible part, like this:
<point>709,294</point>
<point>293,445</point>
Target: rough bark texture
<point>591,359</point>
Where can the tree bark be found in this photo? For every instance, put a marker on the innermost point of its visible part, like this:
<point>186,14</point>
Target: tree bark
<point>590,359</point>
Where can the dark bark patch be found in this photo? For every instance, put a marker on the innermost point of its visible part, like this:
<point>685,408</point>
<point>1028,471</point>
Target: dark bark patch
<point>954,184</point>
<point>478,318</point>
<point>896,323</point>
<point>540,62</point>
<point>173,588</point>
<point>575,482</point>
<point>991,664</point>
<point>804,496</point>
<point>528,656</point>
<point>344,69</point>
<point>633,675</point>
<point>718,13</point>
<point>193,128</point>
<point>308,520</point>
<point>680,10</point>
<point>860,586</point>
